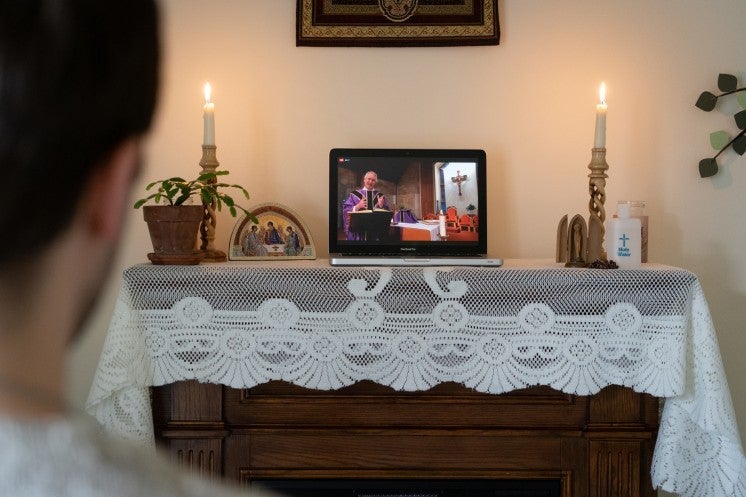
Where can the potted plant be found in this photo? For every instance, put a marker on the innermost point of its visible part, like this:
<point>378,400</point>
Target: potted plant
<point>174,226</point>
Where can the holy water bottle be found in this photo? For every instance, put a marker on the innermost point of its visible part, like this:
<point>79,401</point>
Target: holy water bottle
<point>637,209</point>
<point>623,238</point>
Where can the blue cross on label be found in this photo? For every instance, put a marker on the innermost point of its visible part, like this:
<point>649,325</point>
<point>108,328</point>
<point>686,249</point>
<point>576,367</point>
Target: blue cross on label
<point>624,239</point>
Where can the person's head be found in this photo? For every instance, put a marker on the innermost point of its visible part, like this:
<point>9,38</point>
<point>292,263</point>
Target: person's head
<point>254,228</point>
<point>78,79</point>
<point>270,224</point>
<point>370,180</point>
<point>289,229</point>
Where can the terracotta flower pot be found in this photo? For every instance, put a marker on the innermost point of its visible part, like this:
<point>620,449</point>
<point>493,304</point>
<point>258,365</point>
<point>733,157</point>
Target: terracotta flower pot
<point>173,232</point>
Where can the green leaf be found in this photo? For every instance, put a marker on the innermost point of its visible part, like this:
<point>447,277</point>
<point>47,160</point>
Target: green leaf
<point>742,99</point>
<point>741,119</point>
<point>177,190</point>
<point>243,190</point>
<point>727,82</point>
<point>708,167</point>
<point>719,139</point>
<point>210,191</point>
<point>706,101</point>
<point>739,145</point>
<point>250,216</point>
<point>181,199</point>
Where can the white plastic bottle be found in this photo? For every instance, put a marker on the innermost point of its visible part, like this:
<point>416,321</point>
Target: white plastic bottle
<point>623,239</point>
<point>637,209</point>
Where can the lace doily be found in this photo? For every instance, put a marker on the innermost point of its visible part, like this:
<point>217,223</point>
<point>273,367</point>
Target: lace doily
<point>494,330</point>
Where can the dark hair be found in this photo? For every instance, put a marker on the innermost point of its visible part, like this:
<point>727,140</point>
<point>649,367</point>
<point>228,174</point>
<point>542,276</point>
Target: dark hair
<point>77,77</point>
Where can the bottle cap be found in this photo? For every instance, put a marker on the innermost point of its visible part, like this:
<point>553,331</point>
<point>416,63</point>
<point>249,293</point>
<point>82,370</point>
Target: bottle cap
<point>622,210</point>
<point>636,207</point>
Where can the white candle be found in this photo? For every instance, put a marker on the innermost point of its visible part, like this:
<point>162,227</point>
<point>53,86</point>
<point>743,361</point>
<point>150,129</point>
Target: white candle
<point>208,116</point>
<point>442,224</point>
<point>599,140</point>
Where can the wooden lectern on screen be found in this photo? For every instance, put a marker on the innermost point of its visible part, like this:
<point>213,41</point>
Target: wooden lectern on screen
<point>371,225</point>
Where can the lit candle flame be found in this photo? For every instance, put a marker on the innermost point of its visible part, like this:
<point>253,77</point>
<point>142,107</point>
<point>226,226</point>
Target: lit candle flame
<point>602,92</point>
<point>208,92</point>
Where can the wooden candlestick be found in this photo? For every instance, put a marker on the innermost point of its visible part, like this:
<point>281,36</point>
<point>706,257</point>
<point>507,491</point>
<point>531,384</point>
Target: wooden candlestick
<point>209,164</point>
<point>580,243</point>
<point>597,190</point>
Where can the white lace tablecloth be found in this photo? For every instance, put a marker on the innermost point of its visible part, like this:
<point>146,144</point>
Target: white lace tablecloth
<point>491,329</point>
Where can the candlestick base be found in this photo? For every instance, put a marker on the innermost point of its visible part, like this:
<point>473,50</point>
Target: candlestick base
<point>214,255</point>
<point>580,243</point>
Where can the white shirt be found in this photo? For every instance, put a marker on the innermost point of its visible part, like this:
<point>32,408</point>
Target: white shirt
<point>72,458</point>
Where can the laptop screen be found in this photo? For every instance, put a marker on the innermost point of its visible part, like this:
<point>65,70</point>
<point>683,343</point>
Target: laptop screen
<point>409,202</point>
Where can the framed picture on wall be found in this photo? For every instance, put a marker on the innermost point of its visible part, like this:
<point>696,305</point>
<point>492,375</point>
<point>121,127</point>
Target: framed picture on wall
<point>280,234</point>
<point>396,23</point>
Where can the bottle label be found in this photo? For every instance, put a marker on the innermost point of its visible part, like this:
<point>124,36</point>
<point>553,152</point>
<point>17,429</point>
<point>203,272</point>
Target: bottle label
<point>623,250</point>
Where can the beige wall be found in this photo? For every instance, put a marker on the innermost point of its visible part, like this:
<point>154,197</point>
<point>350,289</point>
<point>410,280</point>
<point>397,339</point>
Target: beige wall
<point>528,102</point>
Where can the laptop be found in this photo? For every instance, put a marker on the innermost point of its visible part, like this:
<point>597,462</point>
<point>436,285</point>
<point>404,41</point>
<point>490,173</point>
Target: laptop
<point>408,207</point>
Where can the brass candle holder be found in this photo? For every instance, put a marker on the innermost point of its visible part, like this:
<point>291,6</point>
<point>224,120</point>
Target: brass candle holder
<point>579,242</point>
<point>209,164</point>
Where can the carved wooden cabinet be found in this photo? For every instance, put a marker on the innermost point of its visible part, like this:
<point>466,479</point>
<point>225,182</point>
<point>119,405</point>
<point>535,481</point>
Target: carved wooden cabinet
<point>594,446</point>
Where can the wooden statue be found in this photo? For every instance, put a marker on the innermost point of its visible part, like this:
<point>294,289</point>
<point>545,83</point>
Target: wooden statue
<point>573,242</point>
<point>577,235</point>
<point>562,247</point>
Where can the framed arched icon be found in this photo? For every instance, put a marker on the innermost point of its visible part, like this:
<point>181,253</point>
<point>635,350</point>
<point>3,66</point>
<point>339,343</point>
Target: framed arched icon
<point>280,234</point>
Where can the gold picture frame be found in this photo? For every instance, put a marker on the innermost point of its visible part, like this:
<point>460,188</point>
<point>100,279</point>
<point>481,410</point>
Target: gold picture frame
<point>279,235</point>
<point>396,23</point>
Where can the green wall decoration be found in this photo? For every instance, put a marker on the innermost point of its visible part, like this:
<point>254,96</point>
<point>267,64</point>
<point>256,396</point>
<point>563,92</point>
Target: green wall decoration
<point>720,140</point>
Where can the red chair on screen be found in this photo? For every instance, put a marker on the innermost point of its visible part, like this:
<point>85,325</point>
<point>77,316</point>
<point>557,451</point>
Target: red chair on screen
<point>452,223</point>
<point>466,223</point>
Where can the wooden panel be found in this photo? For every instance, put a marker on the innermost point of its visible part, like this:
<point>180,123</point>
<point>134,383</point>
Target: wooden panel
<point>188,401</point>
<point>616,406</point>
<point>414,234</point>
<point>616,469</point>
<point>597,446</point>
<point>448,405</point>
<point>247,476</point>
<point>386,449</point>
<point>188,421</point>
<point>575,463</point>
<point>201,456</point>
